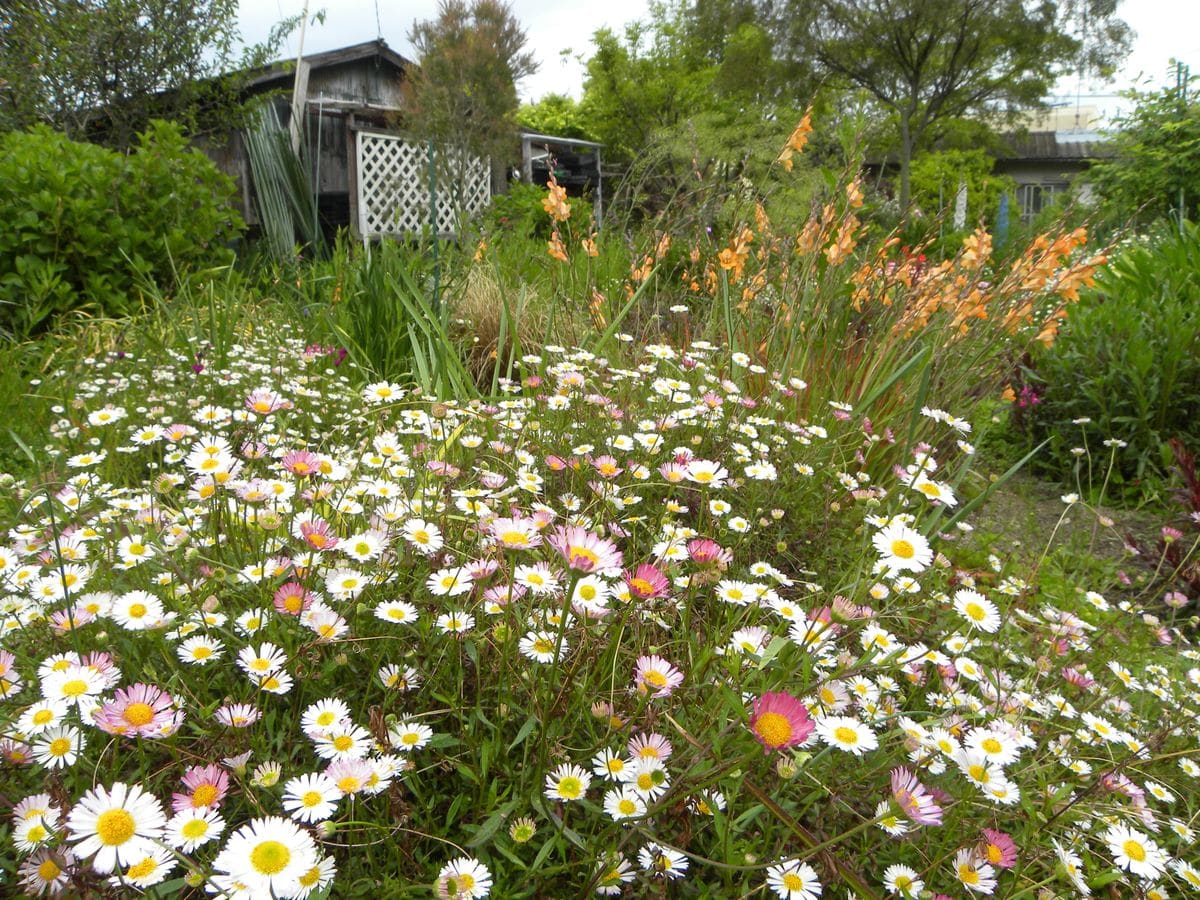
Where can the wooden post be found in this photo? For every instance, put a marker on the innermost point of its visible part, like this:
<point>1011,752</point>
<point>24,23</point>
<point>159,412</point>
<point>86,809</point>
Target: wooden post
<point>352,174</point>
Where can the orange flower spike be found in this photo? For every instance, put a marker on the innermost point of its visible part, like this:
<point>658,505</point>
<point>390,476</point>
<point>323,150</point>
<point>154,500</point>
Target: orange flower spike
<point>664,244</point>
<point>555,247</point>
<point>555,202</point>
<point>796,140</point>
<point>854,194</point>
<point>977,248</point>
<point>760,219</point>
<point>589,245</point>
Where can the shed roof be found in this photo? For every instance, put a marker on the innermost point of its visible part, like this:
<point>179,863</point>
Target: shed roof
<point>1046,146</point>
<point>284,70</point>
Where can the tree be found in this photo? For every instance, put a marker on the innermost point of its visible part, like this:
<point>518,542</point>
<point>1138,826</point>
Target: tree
<point>465,92</point>
<point>555,114</point>
<point>929,61</point>
<point>101,69</point>
<point>1154,171</point>
<point>690,61</point>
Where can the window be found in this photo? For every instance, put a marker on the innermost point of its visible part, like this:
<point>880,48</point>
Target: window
<point>1033,198</point>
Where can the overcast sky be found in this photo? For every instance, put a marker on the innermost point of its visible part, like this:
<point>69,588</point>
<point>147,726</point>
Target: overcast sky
<point>1165,29</point>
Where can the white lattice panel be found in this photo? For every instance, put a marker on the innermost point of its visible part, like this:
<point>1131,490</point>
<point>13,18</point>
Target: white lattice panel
<point>394,182</point>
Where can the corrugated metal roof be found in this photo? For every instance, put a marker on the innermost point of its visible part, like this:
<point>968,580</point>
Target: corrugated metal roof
<point>284,70</point>
<point>1046,146</point>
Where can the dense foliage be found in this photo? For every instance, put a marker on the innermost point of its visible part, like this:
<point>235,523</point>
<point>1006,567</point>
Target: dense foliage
<point>1155,159</point>
<point>1126,366</point>
<point>102,70</point>
<point>84,225</point>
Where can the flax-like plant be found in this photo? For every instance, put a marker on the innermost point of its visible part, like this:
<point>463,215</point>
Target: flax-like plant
<point>284,193</point>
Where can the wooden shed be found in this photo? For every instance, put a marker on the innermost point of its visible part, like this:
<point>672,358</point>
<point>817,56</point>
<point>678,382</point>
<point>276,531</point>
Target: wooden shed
<point>368,177</point>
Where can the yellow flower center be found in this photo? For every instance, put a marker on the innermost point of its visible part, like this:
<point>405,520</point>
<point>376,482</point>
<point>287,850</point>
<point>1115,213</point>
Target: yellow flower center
<point>514,539</point>
<point>37,834</point>
<point>773,729</point>
<point>49,870</point>
<point>138,714</point>
<point>137,549</point>
<point>312,798</point>
<point>194,829</point>
<point>845,734</point>
<point>793,882</point>
<point>60,747</point>
<point>42,716</point>
<point>201,652</point>
<point>582,555</point>
<point>903,549</point>
<point>655,678</point>
<point>114,827</point>
<point>311,877</point>
<point>349,784</point>
<point>541,645</point>
<point>967,874</point>
<point>975,612</point>
<point>205,795</point>
<point>626,807</point>
<point>75,687</point>
<point>270,857</point>
<point>993,854</point>
<point>137,610</point>
<point>142,869</point>
<point>570,787</point>
<point>1134,850</point>
<point>991,745</point>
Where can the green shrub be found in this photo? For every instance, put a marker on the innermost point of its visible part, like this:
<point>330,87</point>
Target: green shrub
<point>520,212</point>
<point>1127,360</point>
<point>83,224</point>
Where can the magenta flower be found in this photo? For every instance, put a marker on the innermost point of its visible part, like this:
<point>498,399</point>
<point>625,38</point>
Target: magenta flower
<point>780,721</point>
<point>705,552</point>
<point>140,710</point>
<point>998,849</point>
<point>646,582</point>
<point>914,799</point>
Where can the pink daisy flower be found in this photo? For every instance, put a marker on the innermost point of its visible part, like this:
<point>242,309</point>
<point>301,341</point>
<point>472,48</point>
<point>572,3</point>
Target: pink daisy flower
<point>301,463</point>
<point>292,599</point>
<point>647,582</point>
<point>780,721</point>
<point>655,676</point>
<point>913,799</point>
<point>265,401</point>
<point>238,715</point>
<point>998,849</point>
<point>206,788</point>
<point>705,552</point>
<point>586,551</point>
<point>318,534</point>
<point>649,746</point>
<point>141,710</point>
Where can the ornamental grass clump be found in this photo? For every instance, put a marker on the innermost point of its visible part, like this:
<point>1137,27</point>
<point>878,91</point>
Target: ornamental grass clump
<point>269,628</point>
